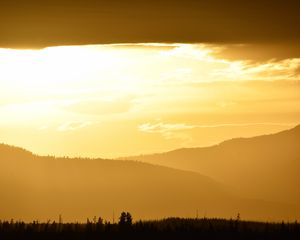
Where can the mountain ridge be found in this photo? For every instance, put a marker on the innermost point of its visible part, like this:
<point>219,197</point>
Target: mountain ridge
<point>250,165</point>
<point>34,187</point>
<point>297,128</point>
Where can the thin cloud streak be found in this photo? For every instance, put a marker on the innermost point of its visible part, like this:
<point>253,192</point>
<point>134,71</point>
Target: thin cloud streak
<point>71,126</point>
<point>169,127</point>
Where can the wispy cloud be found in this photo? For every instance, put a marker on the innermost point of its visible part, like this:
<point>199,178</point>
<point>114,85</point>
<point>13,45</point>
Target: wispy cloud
<point>168,129</point>
<point>245,124</point>
<point>206,64</point>
<point>163,127</point>
<point>287,69</point>
<point>71,126</point>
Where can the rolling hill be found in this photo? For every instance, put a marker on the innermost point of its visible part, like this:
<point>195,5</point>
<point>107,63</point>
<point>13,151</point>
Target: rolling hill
<point>35,187</point>
<point>263,167</point>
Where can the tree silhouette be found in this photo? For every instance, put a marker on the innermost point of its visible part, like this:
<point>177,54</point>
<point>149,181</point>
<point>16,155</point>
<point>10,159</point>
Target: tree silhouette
<point>169,228</point>
<point>122,219</point>
<point>125,219</point>
<point>128,219</point>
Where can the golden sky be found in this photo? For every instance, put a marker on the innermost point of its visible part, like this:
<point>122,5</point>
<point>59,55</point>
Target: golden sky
<point>126,99</point>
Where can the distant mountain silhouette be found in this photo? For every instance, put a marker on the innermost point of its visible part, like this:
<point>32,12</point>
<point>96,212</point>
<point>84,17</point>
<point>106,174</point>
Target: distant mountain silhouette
<point>34,187</point>
<point>264,167</point>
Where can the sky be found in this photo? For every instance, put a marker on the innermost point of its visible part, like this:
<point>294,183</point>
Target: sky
<point>115,78</point>
<point>126,99</point>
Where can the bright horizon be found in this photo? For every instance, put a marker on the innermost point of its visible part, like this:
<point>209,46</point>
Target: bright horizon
<point>115,100</point>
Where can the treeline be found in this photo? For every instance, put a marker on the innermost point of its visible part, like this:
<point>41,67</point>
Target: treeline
<point>170,228</point>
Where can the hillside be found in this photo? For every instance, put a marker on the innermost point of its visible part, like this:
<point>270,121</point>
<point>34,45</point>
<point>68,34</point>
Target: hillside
<point>33,187</point>
<point>264,167</point>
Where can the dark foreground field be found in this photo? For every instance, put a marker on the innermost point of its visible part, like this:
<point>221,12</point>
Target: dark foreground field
<point>170,228</point>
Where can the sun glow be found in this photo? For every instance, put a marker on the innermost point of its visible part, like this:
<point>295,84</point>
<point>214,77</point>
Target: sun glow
<point>54,68</point>
<point>102,92</point>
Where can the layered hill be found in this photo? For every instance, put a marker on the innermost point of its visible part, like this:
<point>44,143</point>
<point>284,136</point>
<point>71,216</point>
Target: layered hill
<point>264,167</point>
<point>35,187</point>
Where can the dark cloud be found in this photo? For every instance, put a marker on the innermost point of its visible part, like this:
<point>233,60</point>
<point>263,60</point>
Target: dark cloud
<point>38,24</point>
<point>260,52</point>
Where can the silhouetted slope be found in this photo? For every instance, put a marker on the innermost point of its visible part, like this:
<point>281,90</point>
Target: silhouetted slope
<point>8,152</point>
<point>265,167</point>
<point>34,187</point>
